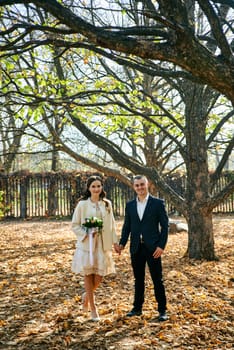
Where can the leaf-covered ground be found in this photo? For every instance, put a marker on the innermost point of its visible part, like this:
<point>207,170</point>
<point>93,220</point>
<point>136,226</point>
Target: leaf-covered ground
<point>40,298</point>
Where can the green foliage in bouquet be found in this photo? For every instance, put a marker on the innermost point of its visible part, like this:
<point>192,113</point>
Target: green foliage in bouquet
<point>93,222</point>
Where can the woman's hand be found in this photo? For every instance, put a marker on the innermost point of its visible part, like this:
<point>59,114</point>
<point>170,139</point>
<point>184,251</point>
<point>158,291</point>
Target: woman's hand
<point>84,238</point>
<point>94,233</point>
<point>118,248</point>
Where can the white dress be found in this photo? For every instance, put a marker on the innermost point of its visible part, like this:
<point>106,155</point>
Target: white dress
<point>103,263</point>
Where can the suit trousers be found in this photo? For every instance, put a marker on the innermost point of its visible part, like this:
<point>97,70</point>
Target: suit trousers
<point>139,260</point>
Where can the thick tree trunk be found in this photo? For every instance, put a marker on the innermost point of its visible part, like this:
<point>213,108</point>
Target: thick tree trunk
<point>55,159</point>
<point>200,236</point>
<point>199,213</point>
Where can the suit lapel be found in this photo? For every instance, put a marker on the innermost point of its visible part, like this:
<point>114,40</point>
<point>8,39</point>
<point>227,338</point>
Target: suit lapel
<point>134,208</point>
<point>147,208</point>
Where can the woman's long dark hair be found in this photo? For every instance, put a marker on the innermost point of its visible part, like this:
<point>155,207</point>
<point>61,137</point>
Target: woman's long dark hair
<point>87,193</point>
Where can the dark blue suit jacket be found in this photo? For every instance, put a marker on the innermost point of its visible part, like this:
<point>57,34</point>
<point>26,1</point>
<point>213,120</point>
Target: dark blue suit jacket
<point>153,227</point>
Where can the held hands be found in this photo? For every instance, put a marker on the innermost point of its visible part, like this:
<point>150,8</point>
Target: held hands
<point>118,248</point>
<point>157,253</point>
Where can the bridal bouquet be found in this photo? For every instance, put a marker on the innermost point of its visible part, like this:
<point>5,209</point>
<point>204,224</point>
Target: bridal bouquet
<point>93,222</point>
<point>92,225</point>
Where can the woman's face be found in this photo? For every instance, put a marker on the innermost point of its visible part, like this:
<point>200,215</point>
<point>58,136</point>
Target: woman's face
<point>95,188</point>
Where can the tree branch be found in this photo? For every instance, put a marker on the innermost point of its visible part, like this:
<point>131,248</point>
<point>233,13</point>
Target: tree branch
<point>186,51</point>
<point>221,195</point>
<point>216,29</point>
<point>216,175</point>
<point>219,126</point>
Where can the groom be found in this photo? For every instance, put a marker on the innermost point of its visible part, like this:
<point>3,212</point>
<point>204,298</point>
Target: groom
<point>146,222</point>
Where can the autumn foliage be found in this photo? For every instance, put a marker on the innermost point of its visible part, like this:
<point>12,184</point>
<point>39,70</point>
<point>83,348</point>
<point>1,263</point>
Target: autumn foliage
<point>40,304</point>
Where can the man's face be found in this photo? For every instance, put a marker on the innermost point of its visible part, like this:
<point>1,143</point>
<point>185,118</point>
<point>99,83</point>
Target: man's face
<point>141,187</point>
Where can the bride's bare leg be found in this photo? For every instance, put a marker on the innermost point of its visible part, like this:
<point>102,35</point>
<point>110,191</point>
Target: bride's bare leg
<point>88,281</point>
<point>96,281</point>
<point>91,283</point>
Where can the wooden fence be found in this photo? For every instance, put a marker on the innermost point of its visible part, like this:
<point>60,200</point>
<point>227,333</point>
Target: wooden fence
<point>56,194</point>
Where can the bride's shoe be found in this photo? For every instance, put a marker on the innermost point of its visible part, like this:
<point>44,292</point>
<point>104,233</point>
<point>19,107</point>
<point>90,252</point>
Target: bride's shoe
<point>94,316</point>
<point>85,306</point>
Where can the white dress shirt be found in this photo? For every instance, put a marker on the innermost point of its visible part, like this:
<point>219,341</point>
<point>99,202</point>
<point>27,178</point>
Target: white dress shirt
<point>141,206</point>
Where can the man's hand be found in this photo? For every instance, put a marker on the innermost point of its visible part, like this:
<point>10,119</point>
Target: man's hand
<point>158,252</point>
<point>118,248</point>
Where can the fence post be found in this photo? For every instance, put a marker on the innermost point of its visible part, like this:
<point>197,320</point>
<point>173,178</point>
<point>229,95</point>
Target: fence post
<point>23,197</point>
